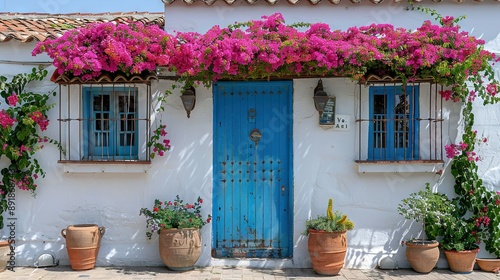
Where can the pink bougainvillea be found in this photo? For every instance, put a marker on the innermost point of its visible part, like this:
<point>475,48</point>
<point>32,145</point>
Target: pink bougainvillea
<point>453,150</point>
<point>89,51</point>
<point>268,47</point>
<point>39,119</point>
<point>446,94</point>
<point>492,89</point>
<point>6,121</point>
<point>19,136</point>
<point>159,147</point>
<point>13,99</point>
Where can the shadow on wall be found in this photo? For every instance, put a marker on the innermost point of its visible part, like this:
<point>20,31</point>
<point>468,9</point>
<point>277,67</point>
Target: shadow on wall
<point>368,248</point>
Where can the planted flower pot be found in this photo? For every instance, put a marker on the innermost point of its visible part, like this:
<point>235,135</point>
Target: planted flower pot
<point>178,224</point>
<point>327,251</point>
<point>180,249</point>
<point>489,265</point>
<point>82,243</point>
<point>425,205</point>
<point>327,243</point>
<point>461,261</point>
<point>422,254</point>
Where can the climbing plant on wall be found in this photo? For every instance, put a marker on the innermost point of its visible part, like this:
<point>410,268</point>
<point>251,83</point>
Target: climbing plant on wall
<point>478,206</point>
<point>23,116</point>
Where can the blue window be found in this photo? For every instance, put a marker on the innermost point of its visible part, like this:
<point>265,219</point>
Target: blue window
<point>394,123</point>
<point>110,123</point>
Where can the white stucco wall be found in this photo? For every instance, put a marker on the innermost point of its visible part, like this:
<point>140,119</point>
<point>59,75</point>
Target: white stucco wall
<point>323,167</point>
<point>487,124</point>
<point>323,161</point>
<point>113,199</point>
<point>323,158</point>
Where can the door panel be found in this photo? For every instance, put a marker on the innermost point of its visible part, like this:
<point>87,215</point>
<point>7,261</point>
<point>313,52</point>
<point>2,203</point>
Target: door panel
<point>253,169</point>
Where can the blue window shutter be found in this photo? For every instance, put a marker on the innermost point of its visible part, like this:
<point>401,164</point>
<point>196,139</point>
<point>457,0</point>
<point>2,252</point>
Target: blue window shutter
<point>110,126</point>
<point>126,112</point>
<point>87,123</point>
<point>393,131</point>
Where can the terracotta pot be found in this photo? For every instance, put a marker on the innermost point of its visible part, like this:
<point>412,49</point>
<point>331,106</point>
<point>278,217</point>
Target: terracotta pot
<point>180,249</point>
<point>461,261</point>
<point>4,254</point>
<point>83,243</point>
<point>422,254</point>
<point>490,265</point>
<point>327,251</point>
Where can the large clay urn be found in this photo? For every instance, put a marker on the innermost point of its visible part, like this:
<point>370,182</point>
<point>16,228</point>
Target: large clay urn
<point>461,261</point>
<point>82,243</point>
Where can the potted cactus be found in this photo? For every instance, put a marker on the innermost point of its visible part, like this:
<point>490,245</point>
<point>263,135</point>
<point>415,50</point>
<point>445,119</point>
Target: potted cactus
<point>327,242</point>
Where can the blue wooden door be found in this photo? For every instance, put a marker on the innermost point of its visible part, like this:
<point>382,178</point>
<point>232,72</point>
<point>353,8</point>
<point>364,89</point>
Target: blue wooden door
<point>253,169</point>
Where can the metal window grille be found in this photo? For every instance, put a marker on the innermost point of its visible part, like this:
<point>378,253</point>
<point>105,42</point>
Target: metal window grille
<point>104,122</point>
<point>407,128</point>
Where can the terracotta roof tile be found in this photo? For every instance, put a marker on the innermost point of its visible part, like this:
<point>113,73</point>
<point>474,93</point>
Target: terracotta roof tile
<point>106,78</point>
<point>27,27</point>
<point>312,2</point>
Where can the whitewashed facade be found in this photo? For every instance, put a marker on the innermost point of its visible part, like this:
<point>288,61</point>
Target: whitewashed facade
<point>323,157</point>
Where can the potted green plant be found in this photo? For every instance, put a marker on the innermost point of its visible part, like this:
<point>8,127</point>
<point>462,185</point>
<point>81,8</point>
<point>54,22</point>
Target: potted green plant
<point>178,225</point>
<point>429,208</point>
<point>490,219</point>
<point>479,207</point>
<point>327,243</point>
<point>460,240</point>
<point>459,237</point>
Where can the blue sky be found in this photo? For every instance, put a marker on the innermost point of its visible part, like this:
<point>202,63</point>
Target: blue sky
<point>80,6</point>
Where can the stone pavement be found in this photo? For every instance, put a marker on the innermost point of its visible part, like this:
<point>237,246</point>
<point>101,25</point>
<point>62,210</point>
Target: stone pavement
<point>229,273</point>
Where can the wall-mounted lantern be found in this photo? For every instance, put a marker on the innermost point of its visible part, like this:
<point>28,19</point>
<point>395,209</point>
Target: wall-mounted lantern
<point>188,98</point>
<point>320,97</point>
<point>324,104</point>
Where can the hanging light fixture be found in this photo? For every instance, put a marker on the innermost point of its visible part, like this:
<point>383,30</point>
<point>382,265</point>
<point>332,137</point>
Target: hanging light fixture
<point>320,97</point>
<point>188,98</point>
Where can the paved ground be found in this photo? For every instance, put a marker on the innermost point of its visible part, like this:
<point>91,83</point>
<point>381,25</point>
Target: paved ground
<point>228,273</point>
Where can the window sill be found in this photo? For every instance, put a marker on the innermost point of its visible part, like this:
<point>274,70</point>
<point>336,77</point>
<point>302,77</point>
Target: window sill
<point>105,166</point>
<point>414,166</point>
